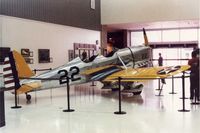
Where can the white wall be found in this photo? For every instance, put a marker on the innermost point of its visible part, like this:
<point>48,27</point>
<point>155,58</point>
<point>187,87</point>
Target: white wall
<point>129,11</point>
<point>22,33</point>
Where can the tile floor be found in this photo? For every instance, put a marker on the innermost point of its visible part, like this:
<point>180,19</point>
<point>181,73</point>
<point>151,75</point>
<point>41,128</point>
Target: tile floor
<point>94,109</point>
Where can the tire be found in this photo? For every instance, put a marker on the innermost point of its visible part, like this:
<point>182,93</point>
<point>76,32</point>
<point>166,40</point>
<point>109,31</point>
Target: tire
<point>28,97</point>
<point>137,93</point>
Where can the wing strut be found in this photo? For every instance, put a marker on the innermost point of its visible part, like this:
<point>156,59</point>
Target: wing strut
<point>121,61</point>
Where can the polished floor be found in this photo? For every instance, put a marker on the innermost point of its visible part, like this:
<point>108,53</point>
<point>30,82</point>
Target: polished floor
<point>94,111</point>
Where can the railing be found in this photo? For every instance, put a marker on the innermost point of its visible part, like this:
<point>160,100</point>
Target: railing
<point>35,70</point>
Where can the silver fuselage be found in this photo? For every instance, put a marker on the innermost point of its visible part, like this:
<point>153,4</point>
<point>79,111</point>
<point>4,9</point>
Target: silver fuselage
<point>131,57</point>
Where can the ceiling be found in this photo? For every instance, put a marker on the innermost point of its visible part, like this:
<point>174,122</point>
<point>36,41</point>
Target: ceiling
<point>155,25</point>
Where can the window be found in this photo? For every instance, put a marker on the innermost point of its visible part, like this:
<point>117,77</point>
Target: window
<point>170,35</point>
<point>176,35</point>
<point>188,35</point>
<point>137,38</point>
<point>154,36</point>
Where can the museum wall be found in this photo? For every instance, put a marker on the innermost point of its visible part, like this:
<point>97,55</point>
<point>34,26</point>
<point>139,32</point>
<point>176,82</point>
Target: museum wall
<point>20,33</point>
<point>76,13</point>
<point>130,11</point>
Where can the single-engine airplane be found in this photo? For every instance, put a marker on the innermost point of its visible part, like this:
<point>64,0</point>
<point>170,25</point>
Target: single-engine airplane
<point>124,63</point>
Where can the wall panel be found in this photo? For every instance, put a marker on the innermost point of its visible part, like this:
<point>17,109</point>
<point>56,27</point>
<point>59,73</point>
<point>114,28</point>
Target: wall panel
<point>20,33</point>
<point>75,13</point>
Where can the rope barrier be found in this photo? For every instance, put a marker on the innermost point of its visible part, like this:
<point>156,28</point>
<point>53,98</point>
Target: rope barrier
<point>42,69</point>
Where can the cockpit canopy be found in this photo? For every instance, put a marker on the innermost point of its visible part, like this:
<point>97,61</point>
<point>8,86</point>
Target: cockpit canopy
<point>90,59</point>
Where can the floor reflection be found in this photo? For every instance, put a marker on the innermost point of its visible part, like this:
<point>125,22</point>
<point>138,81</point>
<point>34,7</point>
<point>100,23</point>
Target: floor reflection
<point>94,109</point>
<point>126,97</point>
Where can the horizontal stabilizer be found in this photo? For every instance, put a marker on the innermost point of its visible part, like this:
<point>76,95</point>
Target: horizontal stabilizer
<point>28,87</point>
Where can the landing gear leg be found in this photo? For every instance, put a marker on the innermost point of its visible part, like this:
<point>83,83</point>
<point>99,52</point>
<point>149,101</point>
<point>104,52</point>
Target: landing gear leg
<point>133,88</point>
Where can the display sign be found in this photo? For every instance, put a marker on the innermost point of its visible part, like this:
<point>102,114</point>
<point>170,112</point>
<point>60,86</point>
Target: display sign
<point>44,56</point>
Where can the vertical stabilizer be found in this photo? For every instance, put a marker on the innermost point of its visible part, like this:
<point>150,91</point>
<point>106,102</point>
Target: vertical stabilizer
<point>22,67</point>
<point>146,42</point>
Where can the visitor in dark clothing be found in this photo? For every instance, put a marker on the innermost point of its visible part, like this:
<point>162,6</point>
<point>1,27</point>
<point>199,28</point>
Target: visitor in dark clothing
<point>194,76</point>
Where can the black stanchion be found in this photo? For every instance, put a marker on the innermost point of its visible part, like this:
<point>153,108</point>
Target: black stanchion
<point>183,94</point>
<point>68,98</point>
<point>172,86</point>
<point>2,109</point>
<point>35,96</point>
<point>158,85</point>
<point>120,112</point>
<point>16,106</point>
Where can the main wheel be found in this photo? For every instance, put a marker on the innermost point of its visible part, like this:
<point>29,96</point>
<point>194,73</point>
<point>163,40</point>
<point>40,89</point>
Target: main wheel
<point>137,93</point>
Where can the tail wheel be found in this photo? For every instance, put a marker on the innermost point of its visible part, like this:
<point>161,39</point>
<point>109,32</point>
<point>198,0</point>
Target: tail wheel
<point>28,97</point>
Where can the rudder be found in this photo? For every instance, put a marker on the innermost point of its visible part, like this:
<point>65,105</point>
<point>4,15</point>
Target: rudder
<point>146,42</point>
<point>22,67</point>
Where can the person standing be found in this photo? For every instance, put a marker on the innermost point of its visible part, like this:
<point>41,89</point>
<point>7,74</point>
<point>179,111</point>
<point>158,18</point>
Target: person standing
<point>160,63</point>
<point>194,76</point>
<point>160,60</point>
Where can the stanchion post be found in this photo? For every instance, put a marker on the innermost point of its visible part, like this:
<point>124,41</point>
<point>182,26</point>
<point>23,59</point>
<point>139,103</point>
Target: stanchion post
<point>183,94</point>
<point>68,98</point>
<point>35,96</point>
<point>159,88</point>
<point>120,112</point>
<point>2,109</point>
<point>35,71</point>
<point>172,86</point>
<point>16,106</point>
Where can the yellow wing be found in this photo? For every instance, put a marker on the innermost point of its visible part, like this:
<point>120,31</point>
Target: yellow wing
<point>98,69</point>
<point>100,73</point>
<point>140,74</point>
